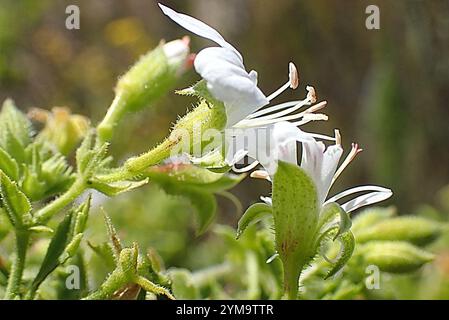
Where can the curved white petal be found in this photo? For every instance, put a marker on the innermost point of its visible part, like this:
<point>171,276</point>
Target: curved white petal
<point>206,57</point>
<point>198,27</point>
<point>365,200</point>
<point>356,190</point>
<point>228,81</point>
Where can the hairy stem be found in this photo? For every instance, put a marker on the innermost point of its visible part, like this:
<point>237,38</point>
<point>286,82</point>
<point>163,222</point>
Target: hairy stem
<point>114,282</point>
<point>135,166</point>
<point>76,189</point>
<point>106,127</point>
<point>15,277</point>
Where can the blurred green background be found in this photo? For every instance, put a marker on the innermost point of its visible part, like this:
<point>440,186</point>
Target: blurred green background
<point>386,89</point>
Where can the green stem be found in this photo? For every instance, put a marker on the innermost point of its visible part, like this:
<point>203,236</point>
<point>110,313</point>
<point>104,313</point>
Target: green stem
<point>292,271</point>
<point>115,112</point>
<point>114,282</point>
<point>135,166</point>
<point>15,277</point>
<point>75,190</point>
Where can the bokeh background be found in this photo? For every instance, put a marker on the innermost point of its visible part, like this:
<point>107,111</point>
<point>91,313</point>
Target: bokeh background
<point>386,89</point>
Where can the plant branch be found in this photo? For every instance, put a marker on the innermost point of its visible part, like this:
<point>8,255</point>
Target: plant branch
<point>75,190</point>
<point>15,277</point>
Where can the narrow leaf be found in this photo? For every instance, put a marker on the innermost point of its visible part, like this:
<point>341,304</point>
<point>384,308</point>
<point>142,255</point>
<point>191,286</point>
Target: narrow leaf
<point>54,251</point>
<point>8,165</point>
<point>15,202</point>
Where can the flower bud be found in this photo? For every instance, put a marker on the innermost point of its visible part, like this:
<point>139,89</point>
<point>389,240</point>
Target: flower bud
<point>152,76</point>
<point>177,52</point>
<point>395,256</point>
<point>63,129</point>
<point>371,216</point>
<point>416,230</point>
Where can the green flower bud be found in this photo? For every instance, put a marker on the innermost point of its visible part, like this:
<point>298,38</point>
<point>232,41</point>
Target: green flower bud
<point>395,256</point>
<point>371,216</point>
<point>151,77</point>
<point>190,135</point>
<point>128,261</point>
<point>416,230</point>
<point>63,129</point>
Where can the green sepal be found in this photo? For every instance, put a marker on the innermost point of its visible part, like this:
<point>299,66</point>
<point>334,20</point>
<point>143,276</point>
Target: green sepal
<point>253,214</point>
<point>347,242</point>
<point>114,188</point>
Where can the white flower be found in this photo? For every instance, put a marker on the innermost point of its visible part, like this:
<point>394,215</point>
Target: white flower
<point>320,163</point>
<point>228,81</point>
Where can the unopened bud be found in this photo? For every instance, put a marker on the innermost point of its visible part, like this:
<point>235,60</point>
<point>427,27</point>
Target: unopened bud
<point>416,230</point>
<point>151,77</point>
<point>63,129</point>
<point>395,256</point>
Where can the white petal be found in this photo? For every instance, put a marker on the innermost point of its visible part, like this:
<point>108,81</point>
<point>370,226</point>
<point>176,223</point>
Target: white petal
<point>365,200</point>
<point>198,27</point>
<point>214,54</point>
<point>228,81</point>
<point>355,190</point>
<point>331,158</point>
<point>282,145</point>
<point>312,161</point>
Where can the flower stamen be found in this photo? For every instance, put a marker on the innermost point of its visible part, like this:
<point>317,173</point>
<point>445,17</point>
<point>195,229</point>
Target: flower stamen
<point>293,82</point>
<point>351,156</point>
<point>260,174</point>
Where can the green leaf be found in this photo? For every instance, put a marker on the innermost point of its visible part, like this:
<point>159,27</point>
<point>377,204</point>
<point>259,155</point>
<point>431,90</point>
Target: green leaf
<point>115,242</point>
<point>196,184</point>
<point>55,249</point>
<point>193,176</point>
<point>8,165</point>
<point>12,120</point>
<point>253,214</point>
<point>13,200</point>
<point>347,242</point>
<point>64,244</point>
<point>114,188</point>
<point>91,155</point>
<point>295,212</point>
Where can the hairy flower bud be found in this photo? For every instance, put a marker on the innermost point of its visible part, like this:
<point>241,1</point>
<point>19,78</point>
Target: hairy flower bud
<point>395,256</point>
<point>63,129</point>
<point>152,76</point>
<point>416,230</point>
